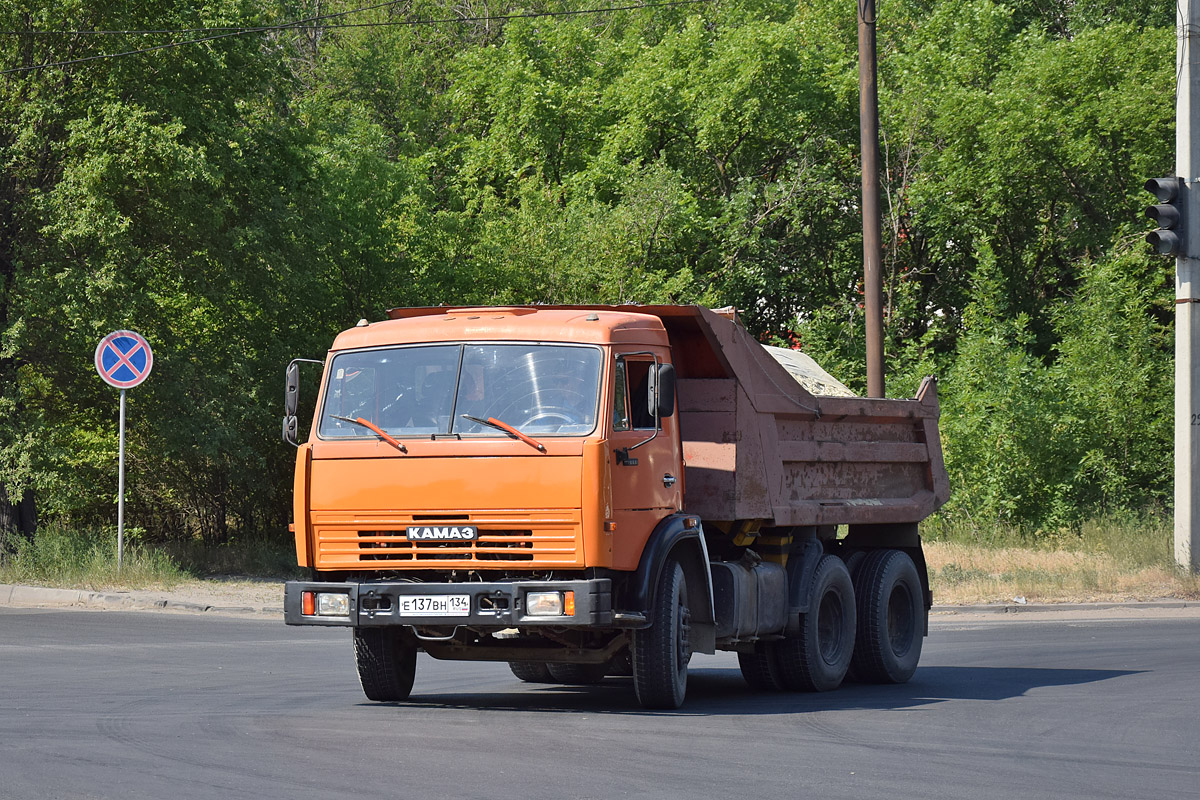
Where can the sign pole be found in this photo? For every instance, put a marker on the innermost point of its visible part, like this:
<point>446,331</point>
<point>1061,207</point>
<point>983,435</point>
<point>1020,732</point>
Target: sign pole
<point>121,488</point>
<point>123,359</point>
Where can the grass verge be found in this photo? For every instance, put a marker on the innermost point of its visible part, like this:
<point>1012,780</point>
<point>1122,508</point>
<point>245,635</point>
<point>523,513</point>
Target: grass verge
<point>87,559</point>
<point>1107,560</point>
<point>83,559</point>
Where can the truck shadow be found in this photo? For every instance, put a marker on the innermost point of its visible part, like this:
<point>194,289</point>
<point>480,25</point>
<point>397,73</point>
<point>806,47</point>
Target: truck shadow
<point>717,691</point>
<point>720,692</point>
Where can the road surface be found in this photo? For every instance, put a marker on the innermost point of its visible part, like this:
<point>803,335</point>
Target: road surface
<point>151,705</point>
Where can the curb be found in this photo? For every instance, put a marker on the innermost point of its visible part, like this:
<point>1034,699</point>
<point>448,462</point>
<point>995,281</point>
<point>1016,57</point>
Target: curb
<point>41,596</point>
<point>1024,608</point>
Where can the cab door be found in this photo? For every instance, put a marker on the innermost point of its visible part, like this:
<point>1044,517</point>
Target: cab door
<point>646,461</point>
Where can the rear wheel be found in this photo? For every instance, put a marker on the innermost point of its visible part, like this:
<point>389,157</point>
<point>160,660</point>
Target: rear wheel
<point>891,618</point>
<point>817,658</point>
<point>854,565</point>
<point>661,652</point>
<point>531,671</point>
<point>578,674</point>
<point>387,663</point>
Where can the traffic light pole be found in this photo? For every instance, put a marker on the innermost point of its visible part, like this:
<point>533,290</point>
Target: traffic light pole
<point>1187,292</point>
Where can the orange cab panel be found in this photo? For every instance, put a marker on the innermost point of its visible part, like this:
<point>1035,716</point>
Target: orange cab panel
<point>527,512</point>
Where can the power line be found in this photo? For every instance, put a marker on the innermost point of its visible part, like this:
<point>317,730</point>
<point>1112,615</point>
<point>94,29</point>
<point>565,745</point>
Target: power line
<point>308,24</point>
<point>229,29</point>
<point>214,37</point>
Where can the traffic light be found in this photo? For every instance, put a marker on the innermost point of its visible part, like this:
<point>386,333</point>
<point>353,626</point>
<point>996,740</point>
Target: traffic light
<point>1168,213</point>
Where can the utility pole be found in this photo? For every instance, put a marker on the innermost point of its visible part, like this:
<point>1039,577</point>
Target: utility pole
<point>868,124</point>
<point>1187,290</point>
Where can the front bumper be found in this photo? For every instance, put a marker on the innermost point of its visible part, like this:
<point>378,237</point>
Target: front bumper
<point>500,604</point>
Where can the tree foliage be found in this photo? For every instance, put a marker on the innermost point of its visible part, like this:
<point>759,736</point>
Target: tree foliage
<point>240,200</point>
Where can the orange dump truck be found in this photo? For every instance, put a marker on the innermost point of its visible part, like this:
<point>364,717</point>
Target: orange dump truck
<point>603,490</point>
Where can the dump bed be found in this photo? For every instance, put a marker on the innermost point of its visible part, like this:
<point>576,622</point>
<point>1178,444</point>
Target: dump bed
<point>758,446</point>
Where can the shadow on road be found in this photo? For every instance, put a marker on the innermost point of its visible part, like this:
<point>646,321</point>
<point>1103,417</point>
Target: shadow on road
<point>716,692</point>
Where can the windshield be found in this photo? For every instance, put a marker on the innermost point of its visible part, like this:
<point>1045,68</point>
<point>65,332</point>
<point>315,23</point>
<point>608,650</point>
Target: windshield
<point>425,390</point>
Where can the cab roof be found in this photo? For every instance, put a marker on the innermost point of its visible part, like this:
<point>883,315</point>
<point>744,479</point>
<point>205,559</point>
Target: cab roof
<point>519,323</point>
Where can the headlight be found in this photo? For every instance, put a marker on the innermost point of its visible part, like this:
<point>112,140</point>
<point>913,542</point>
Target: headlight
<point>331,604</point>
<point>550,604</point>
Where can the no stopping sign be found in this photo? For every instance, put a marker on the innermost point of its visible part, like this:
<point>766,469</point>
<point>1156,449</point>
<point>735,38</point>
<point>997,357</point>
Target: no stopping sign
<point>124,359</point>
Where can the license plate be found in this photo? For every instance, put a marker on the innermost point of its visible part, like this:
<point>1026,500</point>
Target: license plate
<point>435,605</point>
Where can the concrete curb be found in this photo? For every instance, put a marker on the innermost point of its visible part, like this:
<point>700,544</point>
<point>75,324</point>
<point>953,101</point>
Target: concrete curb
<point>1022,608</point>
<point>41,597</point>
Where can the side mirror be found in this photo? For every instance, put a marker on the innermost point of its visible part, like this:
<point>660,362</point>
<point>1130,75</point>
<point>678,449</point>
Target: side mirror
<point>290,426</point>
<point>291,395</point>
<point>291,399</point>
<point>661,395</point>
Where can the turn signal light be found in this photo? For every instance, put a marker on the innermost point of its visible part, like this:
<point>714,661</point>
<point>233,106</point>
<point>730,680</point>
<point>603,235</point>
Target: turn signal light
<point>309,603</point>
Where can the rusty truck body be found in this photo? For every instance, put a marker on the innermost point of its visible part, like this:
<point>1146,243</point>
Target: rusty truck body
<point>584,491</point>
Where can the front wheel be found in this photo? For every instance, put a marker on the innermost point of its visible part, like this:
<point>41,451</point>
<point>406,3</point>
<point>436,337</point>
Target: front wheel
<point>387,663</point>
<point>661,652</point>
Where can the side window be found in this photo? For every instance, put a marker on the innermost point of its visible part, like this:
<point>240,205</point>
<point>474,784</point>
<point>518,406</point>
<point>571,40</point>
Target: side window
<point>620,400</point>
<point>638,379</point>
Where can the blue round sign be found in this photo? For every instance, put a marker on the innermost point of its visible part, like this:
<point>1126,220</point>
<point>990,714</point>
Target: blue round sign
<point>124,359</point>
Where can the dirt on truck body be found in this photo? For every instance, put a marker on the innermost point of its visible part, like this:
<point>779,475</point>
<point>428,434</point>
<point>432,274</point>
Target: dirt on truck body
<point>587,491</point>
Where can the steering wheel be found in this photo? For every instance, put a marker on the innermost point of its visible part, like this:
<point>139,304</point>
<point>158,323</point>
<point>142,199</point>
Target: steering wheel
<point>562,416</point>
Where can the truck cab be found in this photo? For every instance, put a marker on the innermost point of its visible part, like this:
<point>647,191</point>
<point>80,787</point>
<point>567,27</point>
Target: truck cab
<point>537,437</point>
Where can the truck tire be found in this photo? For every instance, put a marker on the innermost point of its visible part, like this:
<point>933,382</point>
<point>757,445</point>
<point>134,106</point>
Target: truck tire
<point>661,652</point>
<point>891,618</point>
<point>531,671</point>
<point>387,664</point>
<point>760,668</point>
<point>817,658</point>
<point>578,674</point>
<point>854,564</point>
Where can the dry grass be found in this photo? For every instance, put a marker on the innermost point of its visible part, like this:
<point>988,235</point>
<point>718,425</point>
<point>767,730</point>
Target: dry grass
<point>1105,561</point>
<point>962,574</point>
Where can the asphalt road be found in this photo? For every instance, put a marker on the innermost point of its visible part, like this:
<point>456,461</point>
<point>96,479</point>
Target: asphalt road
<point>152,705</point>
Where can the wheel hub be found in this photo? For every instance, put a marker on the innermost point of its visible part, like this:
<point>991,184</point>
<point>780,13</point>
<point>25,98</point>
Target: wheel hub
<point>900,620</point>
<point>683,640</point>
<point>829,627</point>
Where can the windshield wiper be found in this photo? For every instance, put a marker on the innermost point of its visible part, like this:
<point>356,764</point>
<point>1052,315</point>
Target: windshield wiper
<point>509,429</point>
<point>378,431</point>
